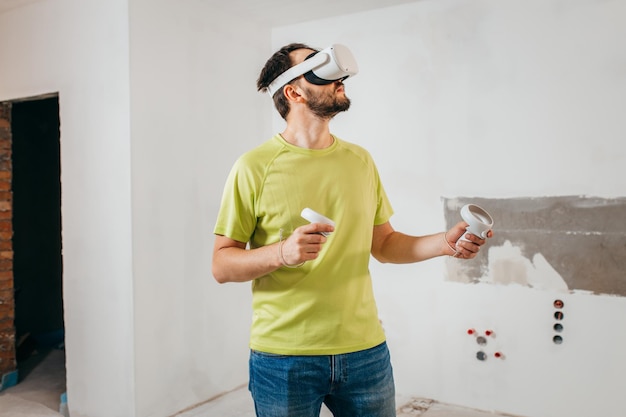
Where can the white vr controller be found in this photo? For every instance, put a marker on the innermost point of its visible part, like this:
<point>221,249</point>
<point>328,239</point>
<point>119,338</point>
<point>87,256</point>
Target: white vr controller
<point>314,217</point>
<point>479,221</point>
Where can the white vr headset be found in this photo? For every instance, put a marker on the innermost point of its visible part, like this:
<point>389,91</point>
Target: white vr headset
<point>331,64</point>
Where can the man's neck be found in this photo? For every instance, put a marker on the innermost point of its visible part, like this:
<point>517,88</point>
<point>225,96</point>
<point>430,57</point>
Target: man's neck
<point>309,134</point>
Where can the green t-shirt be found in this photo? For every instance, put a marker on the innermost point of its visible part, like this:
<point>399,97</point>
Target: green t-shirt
<point>327,305</point>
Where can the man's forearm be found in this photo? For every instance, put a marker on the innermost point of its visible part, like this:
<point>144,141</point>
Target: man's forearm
<point>233,264</point>
<point>399,248</point>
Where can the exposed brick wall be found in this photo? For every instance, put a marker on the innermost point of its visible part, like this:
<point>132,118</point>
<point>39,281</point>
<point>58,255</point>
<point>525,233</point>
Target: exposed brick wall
<point>7,306</point>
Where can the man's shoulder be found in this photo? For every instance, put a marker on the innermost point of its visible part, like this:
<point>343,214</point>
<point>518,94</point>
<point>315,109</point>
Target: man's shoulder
<point>354,148</point>
<point>262,152</point>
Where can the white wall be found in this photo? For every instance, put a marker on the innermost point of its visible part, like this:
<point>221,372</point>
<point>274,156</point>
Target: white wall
<point>194,109</point>
<point>80,50</point>
<point>489,99</point>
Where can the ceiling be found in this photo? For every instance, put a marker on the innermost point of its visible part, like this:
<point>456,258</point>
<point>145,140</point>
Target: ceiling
<point>274,12</point>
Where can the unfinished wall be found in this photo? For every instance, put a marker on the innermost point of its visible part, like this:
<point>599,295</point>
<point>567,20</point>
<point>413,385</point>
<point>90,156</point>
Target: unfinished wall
<point>8,374</point>
<point>497,100</point>
<point>566,243</point>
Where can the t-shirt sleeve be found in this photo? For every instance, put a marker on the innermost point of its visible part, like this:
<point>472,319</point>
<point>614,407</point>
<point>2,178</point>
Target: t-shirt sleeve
<point>384,210</point>
<point>236,218</point>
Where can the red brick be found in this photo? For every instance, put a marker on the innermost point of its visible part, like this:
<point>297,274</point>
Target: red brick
<point>6,326</point>
<point>6,265</point>
<point>7,322</point>
<point>7,349</point>
<point>7,336</point>
<point>6,310</point>
<point>6,297</point>
<point>7,355</point>
<point>7,302</point>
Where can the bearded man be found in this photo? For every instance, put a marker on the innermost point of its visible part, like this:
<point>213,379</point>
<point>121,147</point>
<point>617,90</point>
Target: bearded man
<point>315,335</point>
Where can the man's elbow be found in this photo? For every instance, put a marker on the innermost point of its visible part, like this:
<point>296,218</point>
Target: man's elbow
<point>380,258</point>
<point>220,275</point>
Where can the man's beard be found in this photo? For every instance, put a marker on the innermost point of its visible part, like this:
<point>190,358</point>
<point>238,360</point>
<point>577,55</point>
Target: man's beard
<point>327,104</point>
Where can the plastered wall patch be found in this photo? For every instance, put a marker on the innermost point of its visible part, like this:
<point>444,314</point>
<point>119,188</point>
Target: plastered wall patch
<point>507,265</point>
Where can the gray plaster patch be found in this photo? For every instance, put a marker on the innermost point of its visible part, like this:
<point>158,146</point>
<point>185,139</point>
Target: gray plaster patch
<point>563,243</point>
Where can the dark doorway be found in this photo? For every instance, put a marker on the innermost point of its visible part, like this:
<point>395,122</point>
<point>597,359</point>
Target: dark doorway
<point>38,266</point>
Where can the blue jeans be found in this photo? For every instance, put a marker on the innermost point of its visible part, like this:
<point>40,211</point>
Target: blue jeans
<point>358,384</point>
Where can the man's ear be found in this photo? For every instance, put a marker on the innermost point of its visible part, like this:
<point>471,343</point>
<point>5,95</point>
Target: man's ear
<point>293,92</point>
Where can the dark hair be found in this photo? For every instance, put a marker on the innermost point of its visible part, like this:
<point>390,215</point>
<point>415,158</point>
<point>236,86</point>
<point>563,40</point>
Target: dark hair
<point>276,65</point>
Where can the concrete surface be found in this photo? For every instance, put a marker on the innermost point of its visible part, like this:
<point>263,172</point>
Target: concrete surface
<point>38,393</point>
<point>238,403</point>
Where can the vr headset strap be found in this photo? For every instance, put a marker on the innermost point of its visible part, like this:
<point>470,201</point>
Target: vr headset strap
<point>296,71</point>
